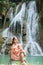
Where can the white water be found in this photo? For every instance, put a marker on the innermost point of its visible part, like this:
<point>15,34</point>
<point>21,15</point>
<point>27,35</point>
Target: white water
<point>9,14</point>
<point>6,34</point>
<point>32,30</point>
<point>17,8</point>
<point>19,18</point>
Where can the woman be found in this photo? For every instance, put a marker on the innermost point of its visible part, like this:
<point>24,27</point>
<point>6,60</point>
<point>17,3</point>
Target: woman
<point>17,52</point>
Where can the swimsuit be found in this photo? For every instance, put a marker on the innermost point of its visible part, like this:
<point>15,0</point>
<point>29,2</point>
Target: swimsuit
<point>16,51</point>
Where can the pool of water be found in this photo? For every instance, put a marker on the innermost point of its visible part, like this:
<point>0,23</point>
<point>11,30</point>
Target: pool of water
<point>31,60</point>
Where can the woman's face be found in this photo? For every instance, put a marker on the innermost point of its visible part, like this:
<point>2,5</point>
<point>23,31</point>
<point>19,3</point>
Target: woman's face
<point>15,40</point>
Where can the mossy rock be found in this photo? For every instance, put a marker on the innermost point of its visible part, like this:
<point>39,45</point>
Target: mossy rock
<point>1,40</point>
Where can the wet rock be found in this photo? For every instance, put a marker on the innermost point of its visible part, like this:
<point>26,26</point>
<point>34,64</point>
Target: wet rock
<point>1,40</point>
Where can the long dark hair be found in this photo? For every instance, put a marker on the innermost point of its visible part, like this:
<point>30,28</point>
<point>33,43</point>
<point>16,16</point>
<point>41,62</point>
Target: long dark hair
<point>13,40</point>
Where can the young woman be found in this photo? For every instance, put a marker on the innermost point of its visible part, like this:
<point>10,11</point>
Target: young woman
<point>17,52</point>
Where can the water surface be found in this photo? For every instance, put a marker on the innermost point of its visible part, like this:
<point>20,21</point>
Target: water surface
<point>31,60</point>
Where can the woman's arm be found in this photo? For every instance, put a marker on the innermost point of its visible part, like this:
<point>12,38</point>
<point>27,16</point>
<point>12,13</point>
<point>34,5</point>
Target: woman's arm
<point>21,49</point>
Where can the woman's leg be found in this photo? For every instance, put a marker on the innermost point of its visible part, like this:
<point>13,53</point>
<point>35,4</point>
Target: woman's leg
<point>23,59</point>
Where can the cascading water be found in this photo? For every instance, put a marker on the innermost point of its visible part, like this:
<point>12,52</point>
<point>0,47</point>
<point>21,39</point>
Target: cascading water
<point>18,19</point>
<point>17,8</point>
<point>32,46</point>
<point>9,14</point>
<point>7,33</point>
<point>32,30</point>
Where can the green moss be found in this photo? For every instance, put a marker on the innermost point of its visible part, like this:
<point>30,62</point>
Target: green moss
<point>1,41</point>
<point>7,23</point>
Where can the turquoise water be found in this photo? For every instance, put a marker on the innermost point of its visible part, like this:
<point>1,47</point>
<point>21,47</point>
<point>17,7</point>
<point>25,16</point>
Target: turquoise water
<point>35,60</point>
<point>31,60</point>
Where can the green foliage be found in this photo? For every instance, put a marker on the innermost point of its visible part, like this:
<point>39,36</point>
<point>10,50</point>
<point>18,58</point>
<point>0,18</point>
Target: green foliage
<point>1,8</point>
<point>23,0</point>
<point>2,0</point>
<point>12,4</point>
<point>7,24</point>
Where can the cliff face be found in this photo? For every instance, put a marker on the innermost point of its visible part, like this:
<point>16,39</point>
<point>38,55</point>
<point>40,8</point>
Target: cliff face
<point>39,5</point>
<point>40,11</point>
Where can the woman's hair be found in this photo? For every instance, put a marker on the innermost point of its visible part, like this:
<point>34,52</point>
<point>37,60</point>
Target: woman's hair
<point>13,40</point>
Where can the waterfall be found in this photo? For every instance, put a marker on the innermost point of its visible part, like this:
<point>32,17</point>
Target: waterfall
<point>19,18</point>
<point>17,8</point>
<point>6,34</point>
<point>9,14</point>
<point>32,30</point>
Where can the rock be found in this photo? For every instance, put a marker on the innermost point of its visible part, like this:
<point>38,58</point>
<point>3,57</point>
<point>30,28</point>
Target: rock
<point>41,37</point>
<point>1,39</point>
<point>9,41</point>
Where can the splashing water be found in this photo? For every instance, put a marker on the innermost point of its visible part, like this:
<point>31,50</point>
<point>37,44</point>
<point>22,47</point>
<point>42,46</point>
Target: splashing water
<point>32,30</point>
